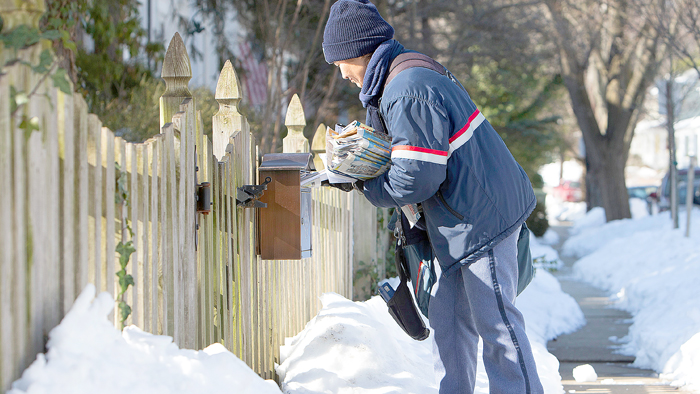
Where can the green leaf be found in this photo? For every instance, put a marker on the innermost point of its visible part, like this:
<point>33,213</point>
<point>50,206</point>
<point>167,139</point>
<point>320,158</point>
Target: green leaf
<point>45,61</point>
<point>51,35</point>
<point>124,260</point>
<point>124,311</point>
<point>67,42</point>
<point>125,281</point>
<point>17,98</point>
<point>2,23</point>
<point>21,98</point>
<point>70,45</point>
<point>21,37</point>
<point>125,251</point>
<point>60,80</point>
<point>55,23</point>
<point>29,125</point>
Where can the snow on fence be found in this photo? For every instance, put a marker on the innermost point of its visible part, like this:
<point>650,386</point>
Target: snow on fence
<point>197,277</point>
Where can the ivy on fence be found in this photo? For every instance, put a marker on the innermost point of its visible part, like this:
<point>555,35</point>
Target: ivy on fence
<point>124,249</point>
<point>24,36</point>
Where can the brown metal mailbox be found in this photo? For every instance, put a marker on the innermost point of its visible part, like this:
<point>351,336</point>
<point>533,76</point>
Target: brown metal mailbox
<point>284,226</point>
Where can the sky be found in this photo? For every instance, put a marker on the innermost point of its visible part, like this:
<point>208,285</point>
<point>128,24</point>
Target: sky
<point>648,268</point>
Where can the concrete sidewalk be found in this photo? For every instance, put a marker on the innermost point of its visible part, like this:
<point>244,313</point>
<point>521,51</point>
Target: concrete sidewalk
<point>595,344</point>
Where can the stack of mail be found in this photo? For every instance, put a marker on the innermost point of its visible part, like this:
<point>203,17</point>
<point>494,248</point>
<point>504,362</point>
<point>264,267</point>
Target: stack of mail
<point>357,152</point>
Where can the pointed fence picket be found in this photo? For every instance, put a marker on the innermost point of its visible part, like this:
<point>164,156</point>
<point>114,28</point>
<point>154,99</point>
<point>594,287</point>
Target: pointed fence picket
<point>197,277</point>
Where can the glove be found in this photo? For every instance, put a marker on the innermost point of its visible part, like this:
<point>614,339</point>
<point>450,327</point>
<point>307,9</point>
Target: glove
<point>359,186</point>
<point>346,187</point>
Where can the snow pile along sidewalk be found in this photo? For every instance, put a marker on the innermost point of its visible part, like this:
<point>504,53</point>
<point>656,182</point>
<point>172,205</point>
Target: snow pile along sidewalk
<point>591,232</point>
<point>356,347</point>
<point>86,354</point>
<point>653,272</point>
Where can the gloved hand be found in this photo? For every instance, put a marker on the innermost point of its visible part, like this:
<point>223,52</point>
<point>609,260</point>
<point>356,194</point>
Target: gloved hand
<point>359,186</point>
<point>346,187</point>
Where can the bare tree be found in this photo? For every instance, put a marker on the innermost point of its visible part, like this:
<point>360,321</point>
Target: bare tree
<point>609,53</point>
<point>482,42</point>
<point>286,36</point>
<point>682,32</point>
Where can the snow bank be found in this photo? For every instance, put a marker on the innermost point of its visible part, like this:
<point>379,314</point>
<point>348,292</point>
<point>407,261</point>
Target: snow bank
<point>86,354</point>
<point>654,272</point>
<point>638,208</point>
<point>354,347</point>
<point>592,219</point>
<point>591,232</point>
<point>348,347</point>
<point>550,237</point>
<point>563,211</point>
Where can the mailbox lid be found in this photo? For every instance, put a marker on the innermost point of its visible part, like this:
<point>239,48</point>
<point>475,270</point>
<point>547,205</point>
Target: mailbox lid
<point>287,161</point>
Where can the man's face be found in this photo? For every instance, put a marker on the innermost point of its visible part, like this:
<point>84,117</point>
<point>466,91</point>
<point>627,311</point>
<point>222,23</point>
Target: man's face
<point>354,69</point>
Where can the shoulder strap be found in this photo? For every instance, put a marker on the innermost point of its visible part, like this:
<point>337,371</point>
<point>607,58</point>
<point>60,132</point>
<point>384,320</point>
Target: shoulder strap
<point>412,59</point>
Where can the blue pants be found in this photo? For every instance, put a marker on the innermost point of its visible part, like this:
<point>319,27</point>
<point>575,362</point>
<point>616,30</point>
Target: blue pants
<point>478,300</point>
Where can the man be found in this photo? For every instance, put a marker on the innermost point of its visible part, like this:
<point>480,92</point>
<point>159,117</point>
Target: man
<point>474,196</point>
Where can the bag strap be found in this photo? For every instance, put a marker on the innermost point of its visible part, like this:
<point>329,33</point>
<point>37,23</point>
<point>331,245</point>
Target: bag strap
<point>412,59</point>
<point>402,267</point>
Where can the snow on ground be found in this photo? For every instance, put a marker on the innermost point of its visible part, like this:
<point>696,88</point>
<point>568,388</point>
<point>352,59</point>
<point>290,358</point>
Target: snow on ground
<point>653,272</point>
<point>591,232</point>
<point>356,347</point>
<point>558,211</point>
<point>349,347</point>
<point>86,354</point>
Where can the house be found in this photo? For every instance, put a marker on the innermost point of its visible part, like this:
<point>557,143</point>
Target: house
<point>649,147</point>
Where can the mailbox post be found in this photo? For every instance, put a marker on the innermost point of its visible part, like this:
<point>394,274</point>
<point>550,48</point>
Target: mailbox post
<point>284,226</point>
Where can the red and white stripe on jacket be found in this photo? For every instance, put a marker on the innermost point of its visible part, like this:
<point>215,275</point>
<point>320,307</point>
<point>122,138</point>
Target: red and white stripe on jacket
<point>440,156</point>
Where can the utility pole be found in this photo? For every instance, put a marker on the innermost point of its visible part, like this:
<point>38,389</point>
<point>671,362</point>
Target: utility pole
<point>691,151</point>
<point>670,119</point>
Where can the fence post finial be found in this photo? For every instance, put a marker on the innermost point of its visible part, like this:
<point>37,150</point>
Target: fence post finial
<point>227,120</point>
<point>228,88</point>
<point>26,12</point>
<point>318,145</point>
<point>295,121</point>
<point>176,73</point>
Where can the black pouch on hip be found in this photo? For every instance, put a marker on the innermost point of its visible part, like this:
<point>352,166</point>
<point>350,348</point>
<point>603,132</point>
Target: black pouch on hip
<point>402,307</point>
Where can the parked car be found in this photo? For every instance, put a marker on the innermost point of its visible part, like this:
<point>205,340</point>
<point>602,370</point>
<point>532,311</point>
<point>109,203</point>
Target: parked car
<point>568,191</point>
<point>642,192</point>
<point>648,194</point>
<point>664,192</point>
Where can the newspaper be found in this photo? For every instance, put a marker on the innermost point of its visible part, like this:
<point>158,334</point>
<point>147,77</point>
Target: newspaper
<point>356,152</point>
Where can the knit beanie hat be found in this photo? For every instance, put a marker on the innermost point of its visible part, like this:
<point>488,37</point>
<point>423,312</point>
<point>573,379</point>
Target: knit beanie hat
<point>354,29</point>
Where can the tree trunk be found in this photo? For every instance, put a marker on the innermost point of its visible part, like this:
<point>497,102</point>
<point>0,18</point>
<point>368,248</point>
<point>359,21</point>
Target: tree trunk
<point>605,179</point>
<point>622,60</point>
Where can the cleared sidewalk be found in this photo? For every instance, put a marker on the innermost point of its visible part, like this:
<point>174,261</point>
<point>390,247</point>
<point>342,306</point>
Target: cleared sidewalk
<point>595,343</point>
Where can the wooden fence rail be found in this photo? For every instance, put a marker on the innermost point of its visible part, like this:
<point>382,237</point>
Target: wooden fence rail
<point>197,277</point>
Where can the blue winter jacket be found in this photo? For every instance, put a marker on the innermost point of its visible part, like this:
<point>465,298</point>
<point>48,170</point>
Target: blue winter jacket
<point>446,156</point>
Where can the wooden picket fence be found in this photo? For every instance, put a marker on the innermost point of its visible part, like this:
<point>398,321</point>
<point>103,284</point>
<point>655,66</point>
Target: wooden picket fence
<point>197,277</point>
